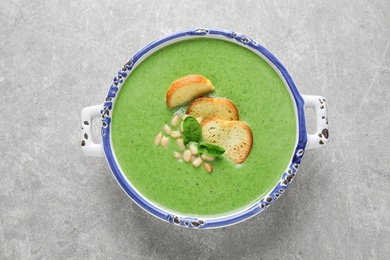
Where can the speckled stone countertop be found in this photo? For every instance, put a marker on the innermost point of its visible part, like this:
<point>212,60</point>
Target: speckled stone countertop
<point>57,57</point>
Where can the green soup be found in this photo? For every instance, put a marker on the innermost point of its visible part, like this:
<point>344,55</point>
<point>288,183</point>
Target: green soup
<point>238,74</point>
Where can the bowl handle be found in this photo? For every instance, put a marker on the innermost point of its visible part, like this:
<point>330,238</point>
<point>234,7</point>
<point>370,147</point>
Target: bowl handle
<point>321,136</point>
<point>88,146</point>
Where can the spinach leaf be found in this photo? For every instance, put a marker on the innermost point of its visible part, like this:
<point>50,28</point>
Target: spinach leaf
<point>192,130</point>
<point>210,149</point>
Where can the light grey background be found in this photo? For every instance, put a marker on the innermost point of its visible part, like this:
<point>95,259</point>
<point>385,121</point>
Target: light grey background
<point>57,57</point>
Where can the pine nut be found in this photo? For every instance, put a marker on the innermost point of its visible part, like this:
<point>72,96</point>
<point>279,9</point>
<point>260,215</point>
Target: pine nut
<point>175,120</point>
<point>207,158</point>
<point>175,134</point>
<point>208,167</point>
<point>193,148</point>
<point>180,144</point>
<point>181,127</point>
<point>197,162</point>
<point>164,141</point>
<point>184,116</point>
<point>177,155</point>
<point>187,155</point>
<point>199,119</point>
<point>157,139</point>
<point>167,129</point>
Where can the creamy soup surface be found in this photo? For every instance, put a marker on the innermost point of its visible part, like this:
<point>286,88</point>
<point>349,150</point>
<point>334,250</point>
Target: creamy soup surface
<point>238,74</point>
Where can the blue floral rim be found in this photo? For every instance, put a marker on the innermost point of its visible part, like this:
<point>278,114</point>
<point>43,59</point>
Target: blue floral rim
<point>192,222</point>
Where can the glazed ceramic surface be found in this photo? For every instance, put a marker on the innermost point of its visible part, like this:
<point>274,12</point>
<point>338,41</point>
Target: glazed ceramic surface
<point>303,139</point>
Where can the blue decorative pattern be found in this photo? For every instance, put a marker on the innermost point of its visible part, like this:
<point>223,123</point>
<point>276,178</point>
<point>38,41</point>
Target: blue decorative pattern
<point>191,222</point>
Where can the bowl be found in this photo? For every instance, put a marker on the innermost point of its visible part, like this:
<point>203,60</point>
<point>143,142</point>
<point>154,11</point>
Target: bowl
<point>155,176</point>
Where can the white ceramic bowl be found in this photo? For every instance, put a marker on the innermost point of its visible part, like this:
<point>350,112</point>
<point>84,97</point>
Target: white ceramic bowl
<point>304,140</point>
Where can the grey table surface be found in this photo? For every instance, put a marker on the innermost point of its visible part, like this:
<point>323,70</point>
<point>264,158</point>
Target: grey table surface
<point>57,57</point>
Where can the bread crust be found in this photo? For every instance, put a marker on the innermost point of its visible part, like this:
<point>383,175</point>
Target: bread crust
<point>213,107</point>
<point>186,89</point>
<point>234,136</point>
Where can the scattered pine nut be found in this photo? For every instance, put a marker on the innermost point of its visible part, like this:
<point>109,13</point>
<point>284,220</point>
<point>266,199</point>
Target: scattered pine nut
<point>175,134</point>
<point>175,120</point>
<point>184,116</point>
<point>193,148</point>
<point>187,155</point>
<point>208,167</point>
<point>180,144</point>
<point>177,155</point>
<point>207,158</point>
<point>157,139</point>
<point>167,129</point>
<point>164,141</point>
<point>197,162</point>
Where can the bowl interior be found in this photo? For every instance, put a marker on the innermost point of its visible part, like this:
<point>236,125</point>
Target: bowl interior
<point>263,100</point>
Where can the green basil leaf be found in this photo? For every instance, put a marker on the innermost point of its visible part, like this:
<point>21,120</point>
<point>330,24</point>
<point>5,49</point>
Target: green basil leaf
<point>192,130</point>
<point>210,149</point>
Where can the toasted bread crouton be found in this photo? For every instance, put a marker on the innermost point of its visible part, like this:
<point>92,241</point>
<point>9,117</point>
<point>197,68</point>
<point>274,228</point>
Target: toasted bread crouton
<point>186,89</point>
<point>233,136</point>
<point>213,107</point>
